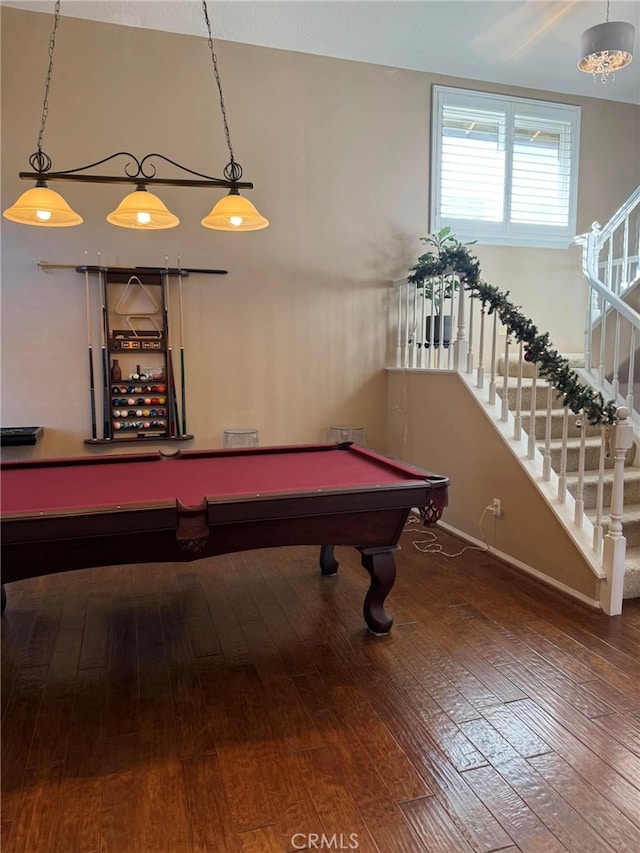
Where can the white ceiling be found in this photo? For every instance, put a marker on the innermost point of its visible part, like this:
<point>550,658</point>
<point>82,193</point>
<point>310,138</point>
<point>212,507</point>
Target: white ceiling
<point>532,43</point>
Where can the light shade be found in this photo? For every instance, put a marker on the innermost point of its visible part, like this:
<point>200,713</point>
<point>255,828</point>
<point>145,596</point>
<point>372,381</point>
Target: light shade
<point>234,213</point>
<point>606,48</point>
<point>42,206</point>
<point>144,211</point>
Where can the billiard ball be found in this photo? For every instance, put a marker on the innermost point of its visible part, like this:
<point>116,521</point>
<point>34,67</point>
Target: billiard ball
<point>161,400</point>
<point>146,424</point>
<point>161,388</point>
<point>117,426</point>
<point>147,401</point>
<point>134,376</point>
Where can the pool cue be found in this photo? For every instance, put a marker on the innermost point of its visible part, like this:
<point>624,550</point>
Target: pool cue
<point>172,403</point>
<point>92,388</point>
<point>182,379</point>
<point>106,411</point>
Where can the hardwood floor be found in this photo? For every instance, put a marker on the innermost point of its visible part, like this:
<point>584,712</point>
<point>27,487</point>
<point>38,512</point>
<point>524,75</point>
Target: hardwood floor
<point>239,704</point>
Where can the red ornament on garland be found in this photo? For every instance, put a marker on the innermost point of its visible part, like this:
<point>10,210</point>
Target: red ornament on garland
<point>528,356</point>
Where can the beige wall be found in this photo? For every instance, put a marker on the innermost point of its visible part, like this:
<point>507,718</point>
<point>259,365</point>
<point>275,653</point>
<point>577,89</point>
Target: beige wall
<point>435,423</point>
<point>293,339</point>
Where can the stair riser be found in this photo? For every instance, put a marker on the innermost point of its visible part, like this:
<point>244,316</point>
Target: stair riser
<point>526,394</point>
<point>631,493</point>
<point>528,369</point>
<point>591,458</point>
<point>631,586</point>
<point>540,422</point>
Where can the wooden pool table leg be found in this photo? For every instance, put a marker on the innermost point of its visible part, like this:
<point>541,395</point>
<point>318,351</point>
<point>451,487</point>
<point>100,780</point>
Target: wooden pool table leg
<point>328,563</point>
<point>381,565</point>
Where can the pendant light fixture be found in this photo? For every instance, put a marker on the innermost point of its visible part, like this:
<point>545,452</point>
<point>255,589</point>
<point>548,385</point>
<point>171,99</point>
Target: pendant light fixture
<point>144,211</point>
<point>42,206</point>
<point>140,209</point>
<point>606,48</point>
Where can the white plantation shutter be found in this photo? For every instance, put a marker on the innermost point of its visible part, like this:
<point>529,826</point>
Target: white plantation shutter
<point>504,170</point>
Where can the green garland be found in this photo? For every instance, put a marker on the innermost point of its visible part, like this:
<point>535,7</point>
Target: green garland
<point>451,261</point>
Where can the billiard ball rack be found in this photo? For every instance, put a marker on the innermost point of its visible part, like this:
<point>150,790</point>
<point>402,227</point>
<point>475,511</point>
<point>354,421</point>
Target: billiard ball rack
<point>138,402</point>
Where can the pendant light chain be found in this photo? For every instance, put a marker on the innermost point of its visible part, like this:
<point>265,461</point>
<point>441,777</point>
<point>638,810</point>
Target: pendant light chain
<point>233,170</point>
<point>140,209</point>
<point>40,161</point>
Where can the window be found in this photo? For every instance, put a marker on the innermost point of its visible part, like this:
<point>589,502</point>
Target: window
<point>504,170</point>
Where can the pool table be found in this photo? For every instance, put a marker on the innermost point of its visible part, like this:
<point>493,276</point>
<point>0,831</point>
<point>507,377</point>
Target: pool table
<point>63,514</point>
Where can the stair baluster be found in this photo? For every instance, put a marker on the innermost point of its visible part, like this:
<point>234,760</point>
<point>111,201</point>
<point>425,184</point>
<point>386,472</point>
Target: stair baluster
<point>517,421</point>
<point>579,508</point>
<point>603,343</point>
<point>469,366</point>
<point>480,375</point>
<point>615,383</point>
<point>415,337</point>
<point>597,524</point>
<point>546,463</point>
<point>531,445</point>
<point>562,475</point>
<point>632,367</point>
<point>505,382</point>
<point>494,351</point>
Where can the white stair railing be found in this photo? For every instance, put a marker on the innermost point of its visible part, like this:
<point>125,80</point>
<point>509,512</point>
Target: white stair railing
<point>611,268</point>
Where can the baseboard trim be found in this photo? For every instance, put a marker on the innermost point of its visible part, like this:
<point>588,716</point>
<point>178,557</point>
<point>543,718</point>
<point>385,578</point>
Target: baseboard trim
<point>518,565</point>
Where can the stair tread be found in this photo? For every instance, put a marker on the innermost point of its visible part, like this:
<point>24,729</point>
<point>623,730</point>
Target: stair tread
<point>512,382</point>
<point>590,441</point>
<point>555,413</point>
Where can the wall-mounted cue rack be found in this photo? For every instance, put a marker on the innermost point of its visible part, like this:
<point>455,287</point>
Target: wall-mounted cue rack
<point>140,395</point>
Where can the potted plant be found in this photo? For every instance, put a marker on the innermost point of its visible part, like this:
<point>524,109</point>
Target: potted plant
<point>435,277</point>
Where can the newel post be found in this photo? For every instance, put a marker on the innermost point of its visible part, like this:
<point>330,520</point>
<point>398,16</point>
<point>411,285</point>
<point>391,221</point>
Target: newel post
<point>615,544</point>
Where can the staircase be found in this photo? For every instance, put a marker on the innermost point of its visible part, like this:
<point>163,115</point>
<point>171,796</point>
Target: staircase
<point>585,487</point>
<point>631,516</point>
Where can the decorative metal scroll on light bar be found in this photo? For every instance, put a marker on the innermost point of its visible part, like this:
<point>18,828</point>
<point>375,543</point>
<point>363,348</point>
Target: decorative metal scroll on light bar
<point>141,177</point>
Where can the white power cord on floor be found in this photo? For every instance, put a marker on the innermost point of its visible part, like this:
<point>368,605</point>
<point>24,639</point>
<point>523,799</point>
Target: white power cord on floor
<point>432,546</point>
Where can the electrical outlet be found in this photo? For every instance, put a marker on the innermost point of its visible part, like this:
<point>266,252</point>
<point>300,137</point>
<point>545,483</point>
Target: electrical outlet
<point>496,506</point>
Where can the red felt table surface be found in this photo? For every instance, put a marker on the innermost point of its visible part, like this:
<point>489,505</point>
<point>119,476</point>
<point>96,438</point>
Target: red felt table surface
<point>150,479</point>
